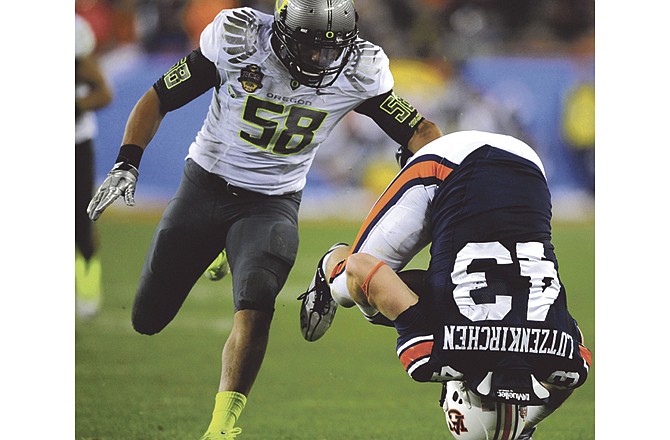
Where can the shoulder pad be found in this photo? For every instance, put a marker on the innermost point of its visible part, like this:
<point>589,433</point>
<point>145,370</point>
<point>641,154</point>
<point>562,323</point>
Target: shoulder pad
<point>368,70</point>
<point>236,32</point>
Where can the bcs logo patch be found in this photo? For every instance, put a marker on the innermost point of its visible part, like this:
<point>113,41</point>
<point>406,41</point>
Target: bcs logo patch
<point>456,422</point>
<point>251,78</point>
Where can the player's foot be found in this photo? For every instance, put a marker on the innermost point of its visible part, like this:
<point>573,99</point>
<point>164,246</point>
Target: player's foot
<point>219,267</point>
<point>527,434</point>
<point>230,434</point>
<point>88,308</point>
<point>318,306</point>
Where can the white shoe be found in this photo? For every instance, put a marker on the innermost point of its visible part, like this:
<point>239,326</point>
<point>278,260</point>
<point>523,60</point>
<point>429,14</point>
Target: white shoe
<point>88,308</point>
<point>318,306</point>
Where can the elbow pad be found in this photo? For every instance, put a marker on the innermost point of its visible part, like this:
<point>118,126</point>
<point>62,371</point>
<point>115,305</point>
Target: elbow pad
<point>189,78</point>
<point>397,117</point>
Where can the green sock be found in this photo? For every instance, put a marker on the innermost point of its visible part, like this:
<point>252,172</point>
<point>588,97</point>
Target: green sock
<point>88,277</point>
<point>228,406</point>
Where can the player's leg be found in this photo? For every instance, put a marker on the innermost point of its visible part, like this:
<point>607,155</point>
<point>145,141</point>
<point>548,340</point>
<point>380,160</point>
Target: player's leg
<point>88,270</point>
<point>394,231</point>
<point>372,282</point>
<point>241,360</point>
<point>186,240</point>
<point>261,249</point>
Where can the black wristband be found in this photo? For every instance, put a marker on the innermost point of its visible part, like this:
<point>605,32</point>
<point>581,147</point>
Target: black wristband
<point>130,154</point>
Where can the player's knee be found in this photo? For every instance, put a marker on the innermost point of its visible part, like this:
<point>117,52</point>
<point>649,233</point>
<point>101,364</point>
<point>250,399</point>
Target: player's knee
<point>358,268</point>
<point>146,327</point>
<point>258,290</point>
<point>355,273</point>
<point>148,320</point>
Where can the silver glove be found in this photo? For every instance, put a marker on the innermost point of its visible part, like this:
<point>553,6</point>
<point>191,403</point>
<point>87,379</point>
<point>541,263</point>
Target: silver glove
<point>122,179</point>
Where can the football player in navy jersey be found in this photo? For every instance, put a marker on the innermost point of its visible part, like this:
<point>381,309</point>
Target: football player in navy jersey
<point>490,312</point>
<point>280,84</point>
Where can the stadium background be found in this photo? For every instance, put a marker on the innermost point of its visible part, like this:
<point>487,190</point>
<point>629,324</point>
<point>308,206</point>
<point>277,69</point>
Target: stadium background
<point>524,67</point>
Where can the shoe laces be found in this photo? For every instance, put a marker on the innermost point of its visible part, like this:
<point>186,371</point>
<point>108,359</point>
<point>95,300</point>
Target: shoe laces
<point>232,433</point>
<point>321,301</point>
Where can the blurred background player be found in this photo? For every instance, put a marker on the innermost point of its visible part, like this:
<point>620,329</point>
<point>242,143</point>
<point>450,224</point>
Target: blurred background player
<point>280,86</point>
<point>490,311</point>
<point>92,92</point>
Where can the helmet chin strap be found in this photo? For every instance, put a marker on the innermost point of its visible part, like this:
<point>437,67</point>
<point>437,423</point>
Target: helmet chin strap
<point>281,51</point>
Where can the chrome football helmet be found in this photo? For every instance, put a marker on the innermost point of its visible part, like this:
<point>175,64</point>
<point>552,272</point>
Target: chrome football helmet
<point>471,418</point>
<point>314,38</point>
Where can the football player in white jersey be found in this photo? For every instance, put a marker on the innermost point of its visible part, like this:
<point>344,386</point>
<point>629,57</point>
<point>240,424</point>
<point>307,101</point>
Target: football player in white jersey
<point>490,312</point>
<point>280,84</point>
<point>92,92</point>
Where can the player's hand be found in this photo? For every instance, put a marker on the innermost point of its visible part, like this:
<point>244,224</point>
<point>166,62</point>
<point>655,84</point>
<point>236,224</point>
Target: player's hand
<point>402,155</point>
<point>122,179</point>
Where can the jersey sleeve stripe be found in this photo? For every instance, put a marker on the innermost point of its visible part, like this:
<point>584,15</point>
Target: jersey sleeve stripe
<point>586,354</point>
<point>415,353</point>
<point>426,171</point>
<point>413,341</point>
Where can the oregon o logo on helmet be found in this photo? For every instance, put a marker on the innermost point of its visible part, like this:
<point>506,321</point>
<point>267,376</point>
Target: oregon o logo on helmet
<point>330,35</point>
<point>280,4</point>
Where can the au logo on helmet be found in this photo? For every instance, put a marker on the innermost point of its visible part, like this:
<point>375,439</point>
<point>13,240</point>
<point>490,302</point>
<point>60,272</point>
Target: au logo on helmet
<point>251,78</point>
<point>456,421</point>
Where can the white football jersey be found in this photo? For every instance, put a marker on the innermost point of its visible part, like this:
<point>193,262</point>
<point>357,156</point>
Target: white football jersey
<point>84,45</point>
<point>456,146</point>
<point>263,128</point>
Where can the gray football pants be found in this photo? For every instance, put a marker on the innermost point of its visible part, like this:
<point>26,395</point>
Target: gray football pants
<point>206,215</point>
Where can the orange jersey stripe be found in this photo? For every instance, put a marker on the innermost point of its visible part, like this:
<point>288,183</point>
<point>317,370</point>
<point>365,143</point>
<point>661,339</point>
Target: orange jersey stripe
<point>415,352</point>
<point>586,354</point>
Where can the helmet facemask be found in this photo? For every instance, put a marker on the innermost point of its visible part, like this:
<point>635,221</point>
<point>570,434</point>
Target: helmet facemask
<point>314,57</point>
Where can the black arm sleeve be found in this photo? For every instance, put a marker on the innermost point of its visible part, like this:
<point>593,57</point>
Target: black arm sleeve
<point>397,117</point>
<point>189,78</point>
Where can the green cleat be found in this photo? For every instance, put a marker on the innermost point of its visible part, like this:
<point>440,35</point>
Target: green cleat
<point>219,267</point>
<point>224,435</point>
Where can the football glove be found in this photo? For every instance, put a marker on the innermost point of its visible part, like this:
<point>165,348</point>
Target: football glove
<point>402,155</point>
<point>122,179</point>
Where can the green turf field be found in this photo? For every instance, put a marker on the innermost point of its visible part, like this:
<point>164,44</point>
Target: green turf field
<point>348,385</point>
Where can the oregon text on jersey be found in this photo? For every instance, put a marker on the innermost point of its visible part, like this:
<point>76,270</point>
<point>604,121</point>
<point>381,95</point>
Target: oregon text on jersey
<point>290,99</point>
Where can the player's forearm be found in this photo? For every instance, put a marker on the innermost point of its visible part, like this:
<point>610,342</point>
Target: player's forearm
<point>426,132</point>
<point>144,120</point>
<point>99,95</point>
